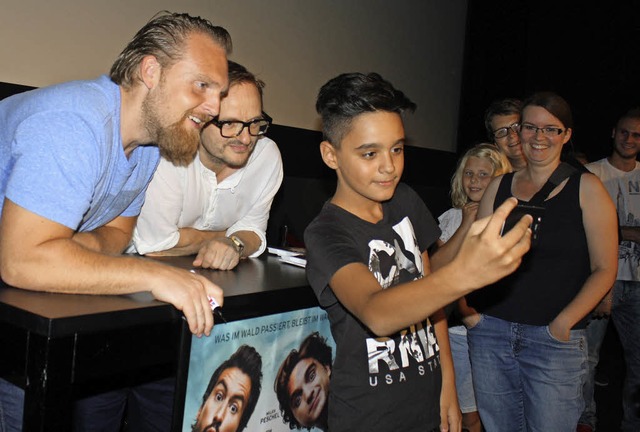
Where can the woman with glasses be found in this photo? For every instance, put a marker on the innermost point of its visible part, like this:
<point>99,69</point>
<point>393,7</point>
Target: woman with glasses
<point>527,343</point>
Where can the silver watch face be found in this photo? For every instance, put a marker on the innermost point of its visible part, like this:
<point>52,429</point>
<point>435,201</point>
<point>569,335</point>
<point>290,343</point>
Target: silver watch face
<point>237,243</point>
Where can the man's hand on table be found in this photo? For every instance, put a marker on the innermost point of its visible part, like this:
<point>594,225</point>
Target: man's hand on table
<point>218,254</point>
<point>189,292</point>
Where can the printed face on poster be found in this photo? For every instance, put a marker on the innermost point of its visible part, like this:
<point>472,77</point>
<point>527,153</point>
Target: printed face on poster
<point>261,374</point>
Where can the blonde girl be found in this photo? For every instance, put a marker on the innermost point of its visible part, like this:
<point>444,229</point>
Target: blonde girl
<point>475,170</point>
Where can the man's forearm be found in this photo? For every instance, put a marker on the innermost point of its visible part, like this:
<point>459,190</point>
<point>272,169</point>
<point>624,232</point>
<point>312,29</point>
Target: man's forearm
<point>65,266</point>
<point>191,241</point>
<point>69,266</point>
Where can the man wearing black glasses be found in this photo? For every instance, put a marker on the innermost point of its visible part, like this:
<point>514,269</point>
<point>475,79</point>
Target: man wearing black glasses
<point>502,121</point>
<point>218,206</point>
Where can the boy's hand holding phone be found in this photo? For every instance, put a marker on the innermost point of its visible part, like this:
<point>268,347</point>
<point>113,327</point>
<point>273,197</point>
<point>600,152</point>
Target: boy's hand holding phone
<point>487,256</point>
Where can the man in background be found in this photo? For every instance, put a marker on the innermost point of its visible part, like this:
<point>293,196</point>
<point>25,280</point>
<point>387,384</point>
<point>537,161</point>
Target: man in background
<point>620,174</point>
<point>75,161</point>
<point>217,206</point>
<point>502,122</point>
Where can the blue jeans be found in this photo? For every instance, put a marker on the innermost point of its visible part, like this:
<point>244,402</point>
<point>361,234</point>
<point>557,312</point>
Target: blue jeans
<point>525,379</point>
<point>625,313</point>
<point>149,408</point>
<point>462,367</point>
<point>11,407</point>
<point>596,330</point>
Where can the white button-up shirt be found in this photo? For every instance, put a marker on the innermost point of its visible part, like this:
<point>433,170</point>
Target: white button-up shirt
<point>191,197</point>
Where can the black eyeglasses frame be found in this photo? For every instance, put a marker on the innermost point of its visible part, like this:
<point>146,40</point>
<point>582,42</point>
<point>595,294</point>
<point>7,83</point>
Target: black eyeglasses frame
<point>265,117</point>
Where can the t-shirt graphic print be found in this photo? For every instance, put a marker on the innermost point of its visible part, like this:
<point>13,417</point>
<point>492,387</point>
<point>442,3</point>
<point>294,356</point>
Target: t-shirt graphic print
<point>389,382</point>
<point>392,264</point>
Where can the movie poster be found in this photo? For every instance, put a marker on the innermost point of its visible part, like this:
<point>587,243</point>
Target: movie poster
<point>261,374</point>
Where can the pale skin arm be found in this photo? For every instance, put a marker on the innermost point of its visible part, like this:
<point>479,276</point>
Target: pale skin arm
<point>483,258</point>
<point>447,251</point>
<point>40,255</point>
<point>486,203</point>
<point>189,242</point>
<point>469,315</point>
<point>450,415</point>
<point>599,219</point>
<point>604,307</point>
<point>215,250</point>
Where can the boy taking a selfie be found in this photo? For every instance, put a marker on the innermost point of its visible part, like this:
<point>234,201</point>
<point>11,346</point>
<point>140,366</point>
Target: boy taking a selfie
<point>368,264</point>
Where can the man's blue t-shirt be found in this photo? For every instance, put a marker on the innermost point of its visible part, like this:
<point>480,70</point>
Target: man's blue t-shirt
<point>61,155</point>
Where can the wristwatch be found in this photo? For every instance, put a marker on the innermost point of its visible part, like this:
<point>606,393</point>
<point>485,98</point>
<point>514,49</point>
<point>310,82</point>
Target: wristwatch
<point>237,244</point>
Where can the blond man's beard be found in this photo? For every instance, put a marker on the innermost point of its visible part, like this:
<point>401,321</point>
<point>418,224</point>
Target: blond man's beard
<point>177,143</point>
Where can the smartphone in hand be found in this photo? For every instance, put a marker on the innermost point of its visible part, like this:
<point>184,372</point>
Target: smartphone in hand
<point>516,214</point>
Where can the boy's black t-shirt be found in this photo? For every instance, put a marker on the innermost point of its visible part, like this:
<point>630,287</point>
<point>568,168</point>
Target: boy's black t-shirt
<point>387,383</point>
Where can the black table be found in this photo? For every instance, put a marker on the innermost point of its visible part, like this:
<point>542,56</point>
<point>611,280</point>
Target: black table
<point>57,346</point>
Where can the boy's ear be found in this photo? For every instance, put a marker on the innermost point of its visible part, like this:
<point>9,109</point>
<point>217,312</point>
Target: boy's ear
<point>150,71</point>
<point>328,152</point>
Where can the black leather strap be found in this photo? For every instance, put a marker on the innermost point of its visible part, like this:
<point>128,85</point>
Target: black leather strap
<point>562,172</point>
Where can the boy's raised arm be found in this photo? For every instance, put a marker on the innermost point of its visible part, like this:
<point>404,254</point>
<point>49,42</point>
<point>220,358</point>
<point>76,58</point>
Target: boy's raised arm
<point>484,257</point>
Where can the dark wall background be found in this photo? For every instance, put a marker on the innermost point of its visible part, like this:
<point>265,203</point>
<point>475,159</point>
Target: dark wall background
<point>587,52</point>
<point>308,182</point>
